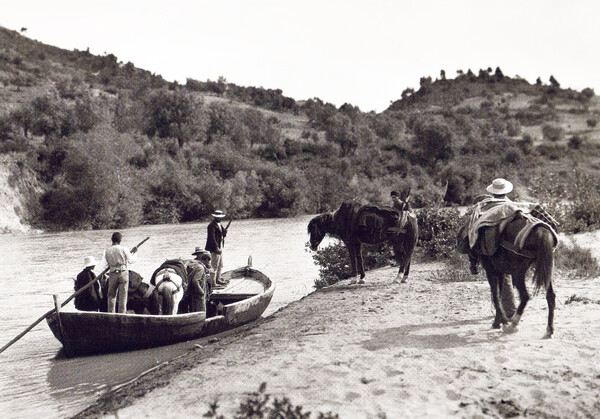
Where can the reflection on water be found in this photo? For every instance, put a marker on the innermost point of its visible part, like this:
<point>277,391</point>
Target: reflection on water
<point>36,380</point>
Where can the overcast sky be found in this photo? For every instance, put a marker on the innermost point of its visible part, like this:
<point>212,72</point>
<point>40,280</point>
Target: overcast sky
<point>361,52</point>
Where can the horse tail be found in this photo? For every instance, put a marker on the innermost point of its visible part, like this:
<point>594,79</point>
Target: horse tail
<point>544,259</point>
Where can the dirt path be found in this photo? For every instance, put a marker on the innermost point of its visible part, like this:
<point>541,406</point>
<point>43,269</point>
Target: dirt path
<point>421,349</point>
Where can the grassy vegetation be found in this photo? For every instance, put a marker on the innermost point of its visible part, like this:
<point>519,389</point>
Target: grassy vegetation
<point>260,405</point>
<point>112,145</point>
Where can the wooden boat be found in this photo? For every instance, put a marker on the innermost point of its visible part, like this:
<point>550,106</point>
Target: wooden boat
<point>243,300</point>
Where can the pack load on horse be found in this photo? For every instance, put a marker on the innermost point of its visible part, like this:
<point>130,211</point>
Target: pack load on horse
<point>509,237</point>
<point>181,286</point>
<point>356,224</point>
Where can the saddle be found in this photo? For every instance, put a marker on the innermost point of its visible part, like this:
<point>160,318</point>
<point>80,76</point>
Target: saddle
<point>375,223</point>
<point>177,266</point>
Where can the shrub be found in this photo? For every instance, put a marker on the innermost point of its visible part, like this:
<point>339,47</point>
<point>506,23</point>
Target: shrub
<point>576,260</point>
<point>334,261</point>
<point>552,151</point>
<point>513,128</point>
<point>259,405</point>
<point>572,198</point>
<point>552,132</point>
<point>575,142</point>
<point>526,144</point>
<point>438,229</point>
<point>592,123</point>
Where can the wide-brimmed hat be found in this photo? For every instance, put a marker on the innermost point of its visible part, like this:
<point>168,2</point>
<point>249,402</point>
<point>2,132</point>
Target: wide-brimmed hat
<point>89,261</point>
<point>200,251</point>
<point>218,214</point>
<point>500,187</point>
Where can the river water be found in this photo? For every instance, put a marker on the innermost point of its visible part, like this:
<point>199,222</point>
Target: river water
<point>35,380</point>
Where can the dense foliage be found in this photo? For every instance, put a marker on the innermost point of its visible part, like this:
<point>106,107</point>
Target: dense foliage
<point>113,145</point>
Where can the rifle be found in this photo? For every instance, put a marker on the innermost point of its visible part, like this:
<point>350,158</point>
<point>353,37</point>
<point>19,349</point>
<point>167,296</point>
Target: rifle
<point>225,230</point>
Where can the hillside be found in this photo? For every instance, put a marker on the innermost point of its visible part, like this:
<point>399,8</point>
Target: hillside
<point>111,145</point>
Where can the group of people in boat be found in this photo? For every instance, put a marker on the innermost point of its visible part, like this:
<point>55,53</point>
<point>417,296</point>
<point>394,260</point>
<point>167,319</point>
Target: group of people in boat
<point>110,293</point>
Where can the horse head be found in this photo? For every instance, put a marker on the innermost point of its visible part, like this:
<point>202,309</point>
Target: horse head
<point>317,227</point>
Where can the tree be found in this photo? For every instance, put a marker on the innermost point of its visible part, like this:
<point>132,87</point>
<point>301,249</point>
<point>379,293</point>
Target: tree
<point>170,114</point>
<point>434,139</point>
<point>341,131</point>
<point>554,82</point>
<point>407,92</point>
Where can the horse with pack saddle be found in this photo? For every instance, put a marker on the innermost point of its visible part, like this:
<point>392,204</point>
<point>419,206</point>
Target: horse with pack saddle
<point>509,238</point>
<point>357,224</point>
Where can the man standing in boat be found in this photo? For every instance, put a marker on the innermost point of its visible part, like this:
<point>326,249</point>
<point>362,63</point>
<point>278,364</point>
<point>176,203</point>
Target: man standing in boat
<point>117,258</point>
<point>215,240</point>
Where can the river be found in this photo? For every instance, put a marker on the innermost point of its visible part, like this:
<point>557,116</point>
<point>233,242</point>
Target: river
<point>35,380</point>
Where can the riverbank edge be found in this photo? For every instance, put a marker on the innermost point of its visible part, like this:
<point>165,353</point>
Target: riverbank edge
<point>125,394</point>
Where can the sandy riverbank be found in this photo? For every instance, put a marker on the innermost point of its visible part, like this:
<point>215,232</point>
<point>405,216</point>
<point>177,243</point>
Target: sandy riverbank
<point>421,349</point>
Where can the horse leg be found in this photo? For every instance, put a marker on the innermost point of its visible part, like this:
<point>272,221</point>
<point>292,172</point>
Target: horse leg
<point>551,299</point>
<point>352,255</point>
<point>359,262</point>
<point>523,299</point>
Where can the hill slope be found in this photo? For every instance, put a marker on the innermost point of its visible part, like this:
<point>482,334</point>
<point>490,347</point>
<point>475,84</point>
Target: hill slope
<point>112,145</point>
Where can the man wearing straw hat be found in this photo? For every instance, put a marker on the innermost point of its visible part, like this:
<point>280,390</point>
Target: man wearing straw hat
<point>498,189</point>
<point>90,299</point>
<point>215,240</point>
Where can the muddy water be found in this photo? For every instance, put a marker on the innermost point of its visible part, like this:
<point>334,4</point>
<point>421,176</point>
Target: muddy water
<point>35,380</point>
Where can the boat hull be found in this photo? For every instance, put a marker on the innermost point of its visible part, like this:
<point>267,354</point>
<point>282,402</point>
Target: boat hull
<point>92,332</point>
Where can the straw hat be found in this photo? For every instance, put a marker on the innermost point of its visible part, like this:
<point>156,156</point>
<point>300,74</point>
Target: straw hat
<point>89,261</point>
<point>500,187</point>
<point>203,253</point>
<point>218,214</point>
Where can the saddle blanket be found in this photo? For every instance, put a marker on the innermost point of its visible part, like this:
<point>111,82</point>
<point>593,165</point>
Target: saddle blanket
<point>175,266</point>
<point>498,213</point>
<point>493,212</point>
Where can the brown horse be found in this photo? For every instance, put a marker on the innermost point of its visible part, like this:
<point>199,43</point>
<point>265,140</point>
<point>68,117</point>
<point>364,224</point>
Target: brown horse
<point>538,249</point>
<point>356,224</point>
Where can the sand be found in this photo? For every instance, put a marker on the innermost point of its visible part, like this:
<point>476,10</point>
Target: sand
<point>420,349</point>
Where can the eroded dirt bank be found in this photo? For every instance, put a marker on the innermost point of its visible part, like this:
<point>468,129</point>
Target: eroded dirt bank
<point>421,349</point>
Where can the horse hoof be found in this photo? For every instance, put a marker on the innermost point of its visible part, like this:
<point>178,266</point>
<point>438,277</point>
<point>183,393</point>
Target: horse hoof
<point>403,280</point>
<point>496,326</point>
<point>361,281</point>
<point>353,281</point>
<point>509,328</point>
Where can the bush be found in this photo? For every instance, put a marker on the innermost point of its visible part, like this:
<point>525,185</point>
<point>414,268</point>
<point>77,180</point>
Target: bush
<point>334,261</point>
<point>256,406</point>
<point>572,198</point>
<point>552,133</point>
<point>592,123</point>
<point>552,151</point>
<point>575,142</point>
<point>438,229</point>
<point>576,260</point>
<point>526,144</point>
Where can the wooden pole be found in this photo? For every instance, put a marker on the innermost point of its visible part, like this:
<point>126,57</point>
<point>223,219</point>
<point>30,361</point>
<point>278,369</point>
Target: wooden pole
<point>49,313</point>
<point>60,326</point>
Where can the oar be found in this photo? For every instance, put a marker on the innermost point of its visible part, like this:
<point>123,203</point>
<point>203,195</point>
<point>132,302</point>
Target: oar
<point>49,313</point>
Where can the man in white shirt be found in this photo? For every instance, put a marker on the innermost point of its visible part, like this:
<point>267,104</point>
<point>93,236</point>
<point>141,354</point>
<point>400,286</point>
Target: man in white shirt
<point>117,258</point>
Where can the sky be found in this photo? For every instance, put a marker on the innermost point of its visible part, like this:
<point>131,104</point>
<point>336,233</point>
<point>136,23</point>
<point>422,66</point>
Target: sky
<point>343,51</point>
